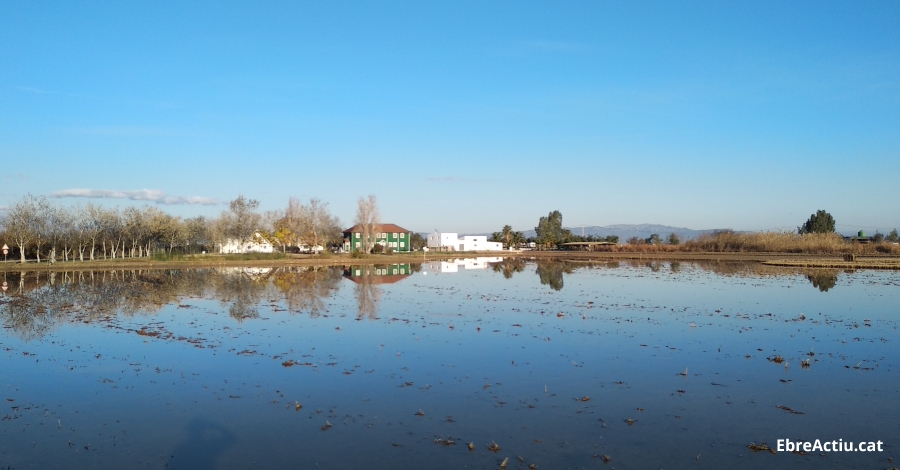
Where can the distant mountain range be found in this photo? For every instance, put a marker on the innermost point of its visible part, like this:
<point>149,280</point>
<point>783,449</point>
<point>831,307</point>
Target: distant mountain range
<point>626,231</point>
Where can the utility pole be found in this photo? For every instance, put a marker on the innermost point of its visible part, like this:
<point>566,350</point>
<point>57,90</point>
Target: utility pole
<point>582,229</point>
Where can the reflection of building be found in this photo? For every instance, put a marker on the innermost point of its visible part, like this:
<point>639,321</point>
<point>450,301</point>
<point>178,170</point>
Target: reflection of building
<point>390,236</point>
<point>252,272</point>
<point>256,244</point>
<point>450,241</point>
<point>378,274</point>
<point>453,266</point>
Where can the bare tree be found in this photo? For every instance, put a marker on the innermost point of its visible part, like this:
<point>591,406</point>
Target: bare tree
<point>367,218</point>
<point>27,224</point>
<point>242,221</point>
<point>20,225</point>
<point>196,231</point>
<point>93,225</point>
<point>112,232</point>
<point>172,231</point>
<point>61,227</point>
<point>317,225</point>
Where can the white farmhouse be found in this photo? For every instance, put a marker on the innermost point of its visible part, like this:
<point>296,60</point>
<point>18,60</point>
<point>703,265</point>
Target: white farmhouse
<point>256,244</point>
<point>449,241</point>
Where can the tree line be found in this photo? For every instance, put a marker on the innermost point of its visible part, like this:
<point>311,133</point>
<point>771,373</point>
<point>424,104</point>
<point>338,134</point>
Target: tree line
<point>38,229</point>
<point>549,233</point>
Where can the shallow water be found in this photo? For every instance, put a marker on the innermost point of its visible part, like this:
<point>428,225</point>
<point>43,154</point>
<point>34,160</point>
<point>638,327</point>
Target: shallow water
<point>655,365</point>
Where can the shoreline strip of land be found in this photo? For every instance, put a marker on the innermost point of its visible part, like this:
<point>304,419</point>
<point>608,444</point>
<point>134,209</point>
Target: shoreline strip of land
<point>792,260</point>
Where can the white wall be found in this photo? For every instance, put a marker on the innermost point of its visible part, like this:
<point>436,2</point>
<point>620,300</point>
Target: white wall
<point>466,243</point>
<point>480,243</point>
<point>437,240</point>
<point>257,245</point>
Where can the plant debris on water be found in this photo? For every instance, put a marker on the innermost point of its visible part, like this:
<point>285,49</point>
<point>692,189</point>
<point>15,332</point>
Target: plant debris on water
<point>216,363</point>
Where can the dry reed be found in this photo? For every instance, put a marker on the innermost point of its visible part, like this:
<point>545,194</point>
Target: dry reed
<point>767,242</point>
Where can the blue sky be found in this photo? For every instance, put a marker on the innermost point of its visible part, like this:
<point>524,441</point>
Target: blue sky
<point>462,116</point>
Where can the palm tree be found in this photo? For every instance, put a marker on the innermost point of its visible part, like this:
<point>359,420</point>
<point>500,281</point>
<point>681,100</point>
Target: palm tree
<point>518,239</point>
<point>507,235</point>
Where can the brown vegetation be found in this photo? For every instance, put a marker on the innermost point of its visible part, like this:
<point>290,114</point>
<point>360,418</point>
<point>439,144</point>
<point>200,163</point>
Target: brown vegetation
<point>766,242</point>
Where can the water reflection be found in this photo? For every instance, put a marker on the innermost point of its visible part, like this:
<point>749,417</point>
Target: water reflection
<point>206,443</point>
<point>509,266</point>
<point>468,264</point>
<point>824,280</point>
<point>39,300</point>
<point>36,301</point>
<point>367,288</point>
<point>305,290</point>
<point>241,291</point>
<point>472,357</point>
<point>551,272</point>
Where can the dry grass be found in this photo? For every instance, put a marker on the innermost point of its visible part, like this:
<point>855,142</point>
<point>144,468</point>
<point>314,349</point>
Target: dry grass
<point>766,242</point>
<point>777,242</point>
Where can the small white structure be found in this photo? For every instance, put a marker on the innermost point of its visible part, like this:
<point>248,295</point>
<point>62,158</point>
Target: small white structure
<point>449,241</point>
<point>256,244</point>
<point>453,266</point>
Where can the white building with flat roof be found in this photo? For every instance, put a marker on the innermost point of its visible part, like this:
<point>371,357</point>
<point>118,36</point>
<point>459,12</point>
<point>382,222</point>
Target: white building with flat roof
<point>450,241</point>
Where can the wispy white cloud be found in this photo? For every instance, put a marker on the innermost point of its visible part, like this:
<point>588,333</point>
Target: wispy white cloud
<point>152,195</point>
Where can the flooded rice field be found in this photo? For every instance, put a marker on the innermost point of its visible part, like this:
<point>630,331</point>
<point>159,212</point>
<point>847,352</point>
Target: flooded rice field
<point>464,364</point>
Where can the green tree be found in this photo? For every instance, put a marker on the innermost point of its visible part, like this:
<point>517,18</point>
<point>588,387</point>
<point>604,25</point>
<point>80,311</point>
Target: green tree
<point>654,239</point>
<point>417,241</point>
<point>518,239</point>
<point>878,238</point>
<point>550,231</point>
<point>820,222</point>
<point>673,239</point>
<point>507,235</point>
<point>893,237</point>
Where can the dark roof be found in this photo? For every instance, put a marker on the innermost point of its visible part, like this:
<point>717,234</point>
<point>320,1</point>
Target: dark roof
<point>379,228</point>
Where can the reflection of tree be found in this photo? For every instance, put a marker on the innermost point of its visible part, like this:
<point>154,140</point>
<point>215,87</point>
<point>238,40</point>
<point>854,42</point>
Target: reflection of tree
<point>509,266</point>
<point>43,300</point>
<point>305,289</point>
<point>675,266</point>
<point>367,295</point>
<point>243,291</point>
<point>30,317</point>
<point>551,272</point>
<point>823,280</point>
